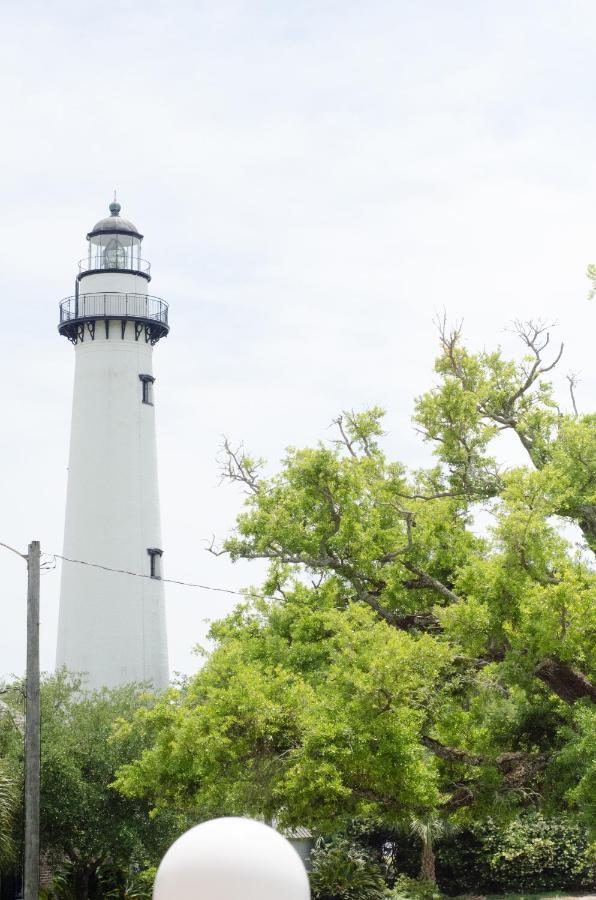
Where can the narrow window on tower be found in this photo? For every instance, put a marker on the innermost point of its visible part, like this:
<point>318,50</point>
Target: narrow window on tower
<point>147,383</point>
<point>155,561</point>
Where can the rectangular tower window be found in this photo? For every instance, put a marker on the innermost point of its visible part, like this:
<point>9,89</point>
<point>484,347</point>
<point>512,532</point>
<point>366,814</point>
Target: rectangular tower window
<point>147,382</point>
<point>155,561</point>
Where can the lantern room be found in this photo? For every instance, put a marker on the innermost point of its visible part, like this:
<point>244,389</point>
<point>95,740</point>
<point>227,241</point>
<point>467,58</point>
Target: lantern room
<point>114,246</point>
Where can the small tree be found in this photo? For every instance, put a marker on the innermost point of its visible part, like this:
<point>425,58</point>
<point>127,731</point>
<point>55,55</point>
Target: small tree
<point>428,830</point>
<point>8,806</point>
<point>88,830</point>
<point>342,870</point>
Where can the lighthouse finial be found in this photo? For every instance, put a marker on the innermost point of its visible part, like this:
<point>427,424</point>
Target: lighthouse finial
<point>115,207</point>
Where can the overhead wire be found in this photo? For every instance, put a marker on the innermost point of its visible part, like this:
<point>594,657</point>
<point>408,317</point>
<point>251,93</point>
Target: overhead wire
<point>191,584</point>
<point>12,550</point>
<point>51,564</point>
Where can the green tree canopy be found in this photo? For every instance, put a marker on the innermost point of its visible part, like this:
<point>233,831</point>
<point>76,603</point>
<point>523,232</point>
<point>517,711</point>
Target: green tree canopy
<point>86,825</point>
<point>397,661</point>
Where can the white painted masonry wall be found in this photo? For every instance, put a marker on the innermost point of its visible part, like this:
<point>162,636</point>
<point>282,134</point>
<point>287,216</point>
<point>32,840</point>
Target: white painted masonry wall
<point>122,282</point>
<point>112,626</point>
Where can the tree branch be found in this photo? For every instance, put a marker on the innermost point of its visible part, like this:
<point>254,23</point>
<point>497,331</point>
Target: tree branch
<point>339,421</point>
<point>239,468</point>
<point>573,382</point>
<point>566,682</point>
<point>425,621</point>
<point>452,754</point>
<point>423,580</point>
<point>531,333</point>
<point>528,567</point>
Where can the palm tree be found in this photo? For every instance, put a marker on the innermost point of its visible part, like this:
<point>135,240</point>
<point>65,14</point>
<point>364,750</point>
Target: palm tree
<point>429,830</point>
<point>8,800</point>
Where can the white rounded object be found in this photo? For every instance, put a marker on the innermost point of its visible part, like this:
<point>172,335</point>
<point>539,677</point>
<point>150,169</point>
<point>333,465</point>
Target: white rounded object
<point>231,859</point>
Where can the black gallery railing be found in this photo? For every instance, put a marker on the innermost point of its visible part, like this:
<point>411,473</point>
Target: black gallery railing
<point>114,306</point>
<point>116,262</point>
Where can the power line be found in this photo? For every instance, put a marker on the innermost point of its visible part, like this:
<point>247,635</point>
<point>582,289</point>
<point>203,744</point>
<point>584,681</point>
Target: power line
<point>203,587</point>
<point>83,562</point>
<point>12,550</point>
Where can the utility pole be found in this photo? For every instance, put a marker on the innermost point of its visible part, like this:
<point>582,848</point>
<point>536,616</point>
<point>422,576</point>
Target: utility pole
<point>32,727</point>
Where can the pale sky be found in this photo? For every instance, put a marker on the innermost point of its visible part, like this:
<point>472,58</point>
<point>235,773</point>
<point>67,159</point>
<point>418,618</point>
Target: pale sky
<point>314,180</point>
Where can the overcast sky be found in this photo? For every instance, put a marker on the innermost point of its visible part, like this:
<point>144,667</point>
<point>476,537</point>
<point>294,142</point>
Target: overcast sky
<point>314,181</point>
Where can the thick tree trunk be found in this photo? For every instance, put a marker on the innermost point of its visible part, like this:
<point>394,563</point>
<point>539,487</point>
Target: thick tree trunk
<point>568,683</point>
<point>81,884</point>
<point>427,863</point>
<point>587,523</point>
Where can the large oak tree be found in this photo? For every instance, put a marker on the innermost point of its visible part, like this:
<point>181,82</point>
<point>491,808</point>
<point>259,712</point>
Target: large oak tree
<point>399,660</point>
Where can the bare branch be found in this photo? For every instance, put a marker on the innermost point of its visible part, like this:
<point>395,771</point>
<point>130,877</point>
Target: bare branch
<point>312,562</point>
<point>573,383</point>
<point>362,437</point>
<point>212,549</point>
<point>339,421</point>
<point>237,467</point>
<point>449,338</point>
<point>536,337</point>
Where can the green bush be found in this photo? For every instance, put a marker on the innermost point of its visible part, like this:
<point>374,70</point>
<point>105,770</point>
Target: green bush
<point>461,863</point>
<point>531,853</point>
<point>407,888</point>
<point>536,853</point>
<point>105,881</point>
<point>343,870</point>
<point>527,854</point>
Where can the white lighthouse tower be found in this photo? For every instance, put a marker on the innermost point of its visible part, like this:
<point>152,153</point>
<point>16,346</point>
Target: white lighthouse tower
<point>112,626</point>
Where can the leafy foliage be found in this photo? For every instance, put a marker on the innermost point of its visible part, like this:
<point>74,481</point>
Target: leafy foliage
<point>398,661</point>
<point>578,756</point>
<point>407,888</point>
<point>95,837</point>
<point>104,881</point>
<point>262,731</point>
<point>341,870</point>
<point>8,806</point>
<point>531,852</point>
<point>534,853</point>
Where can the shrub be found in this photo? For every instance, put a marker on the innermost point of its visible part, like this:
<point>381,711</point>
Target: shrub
<point>8,805</point>
<point>102,882</point>
<point>461,863</point>
<point>342,870</point>
<point>536,853</point>
<point>407,888</point>
<point>530,853</point>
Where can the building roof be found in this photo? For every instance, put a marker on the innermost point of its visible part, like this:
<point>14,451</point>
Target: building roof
<point>299,833</point>
<point>114,223</point>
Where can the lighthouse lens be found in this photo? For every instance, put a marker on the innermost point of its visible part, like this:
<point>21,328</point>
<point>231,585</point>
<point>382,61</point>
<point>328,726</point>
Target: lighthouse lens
<point>115,255</point>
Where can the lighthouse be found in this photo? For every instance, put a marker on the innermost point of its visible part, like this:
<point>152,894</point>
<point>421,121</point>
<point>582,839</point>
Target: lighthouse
<point>111,625</point>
